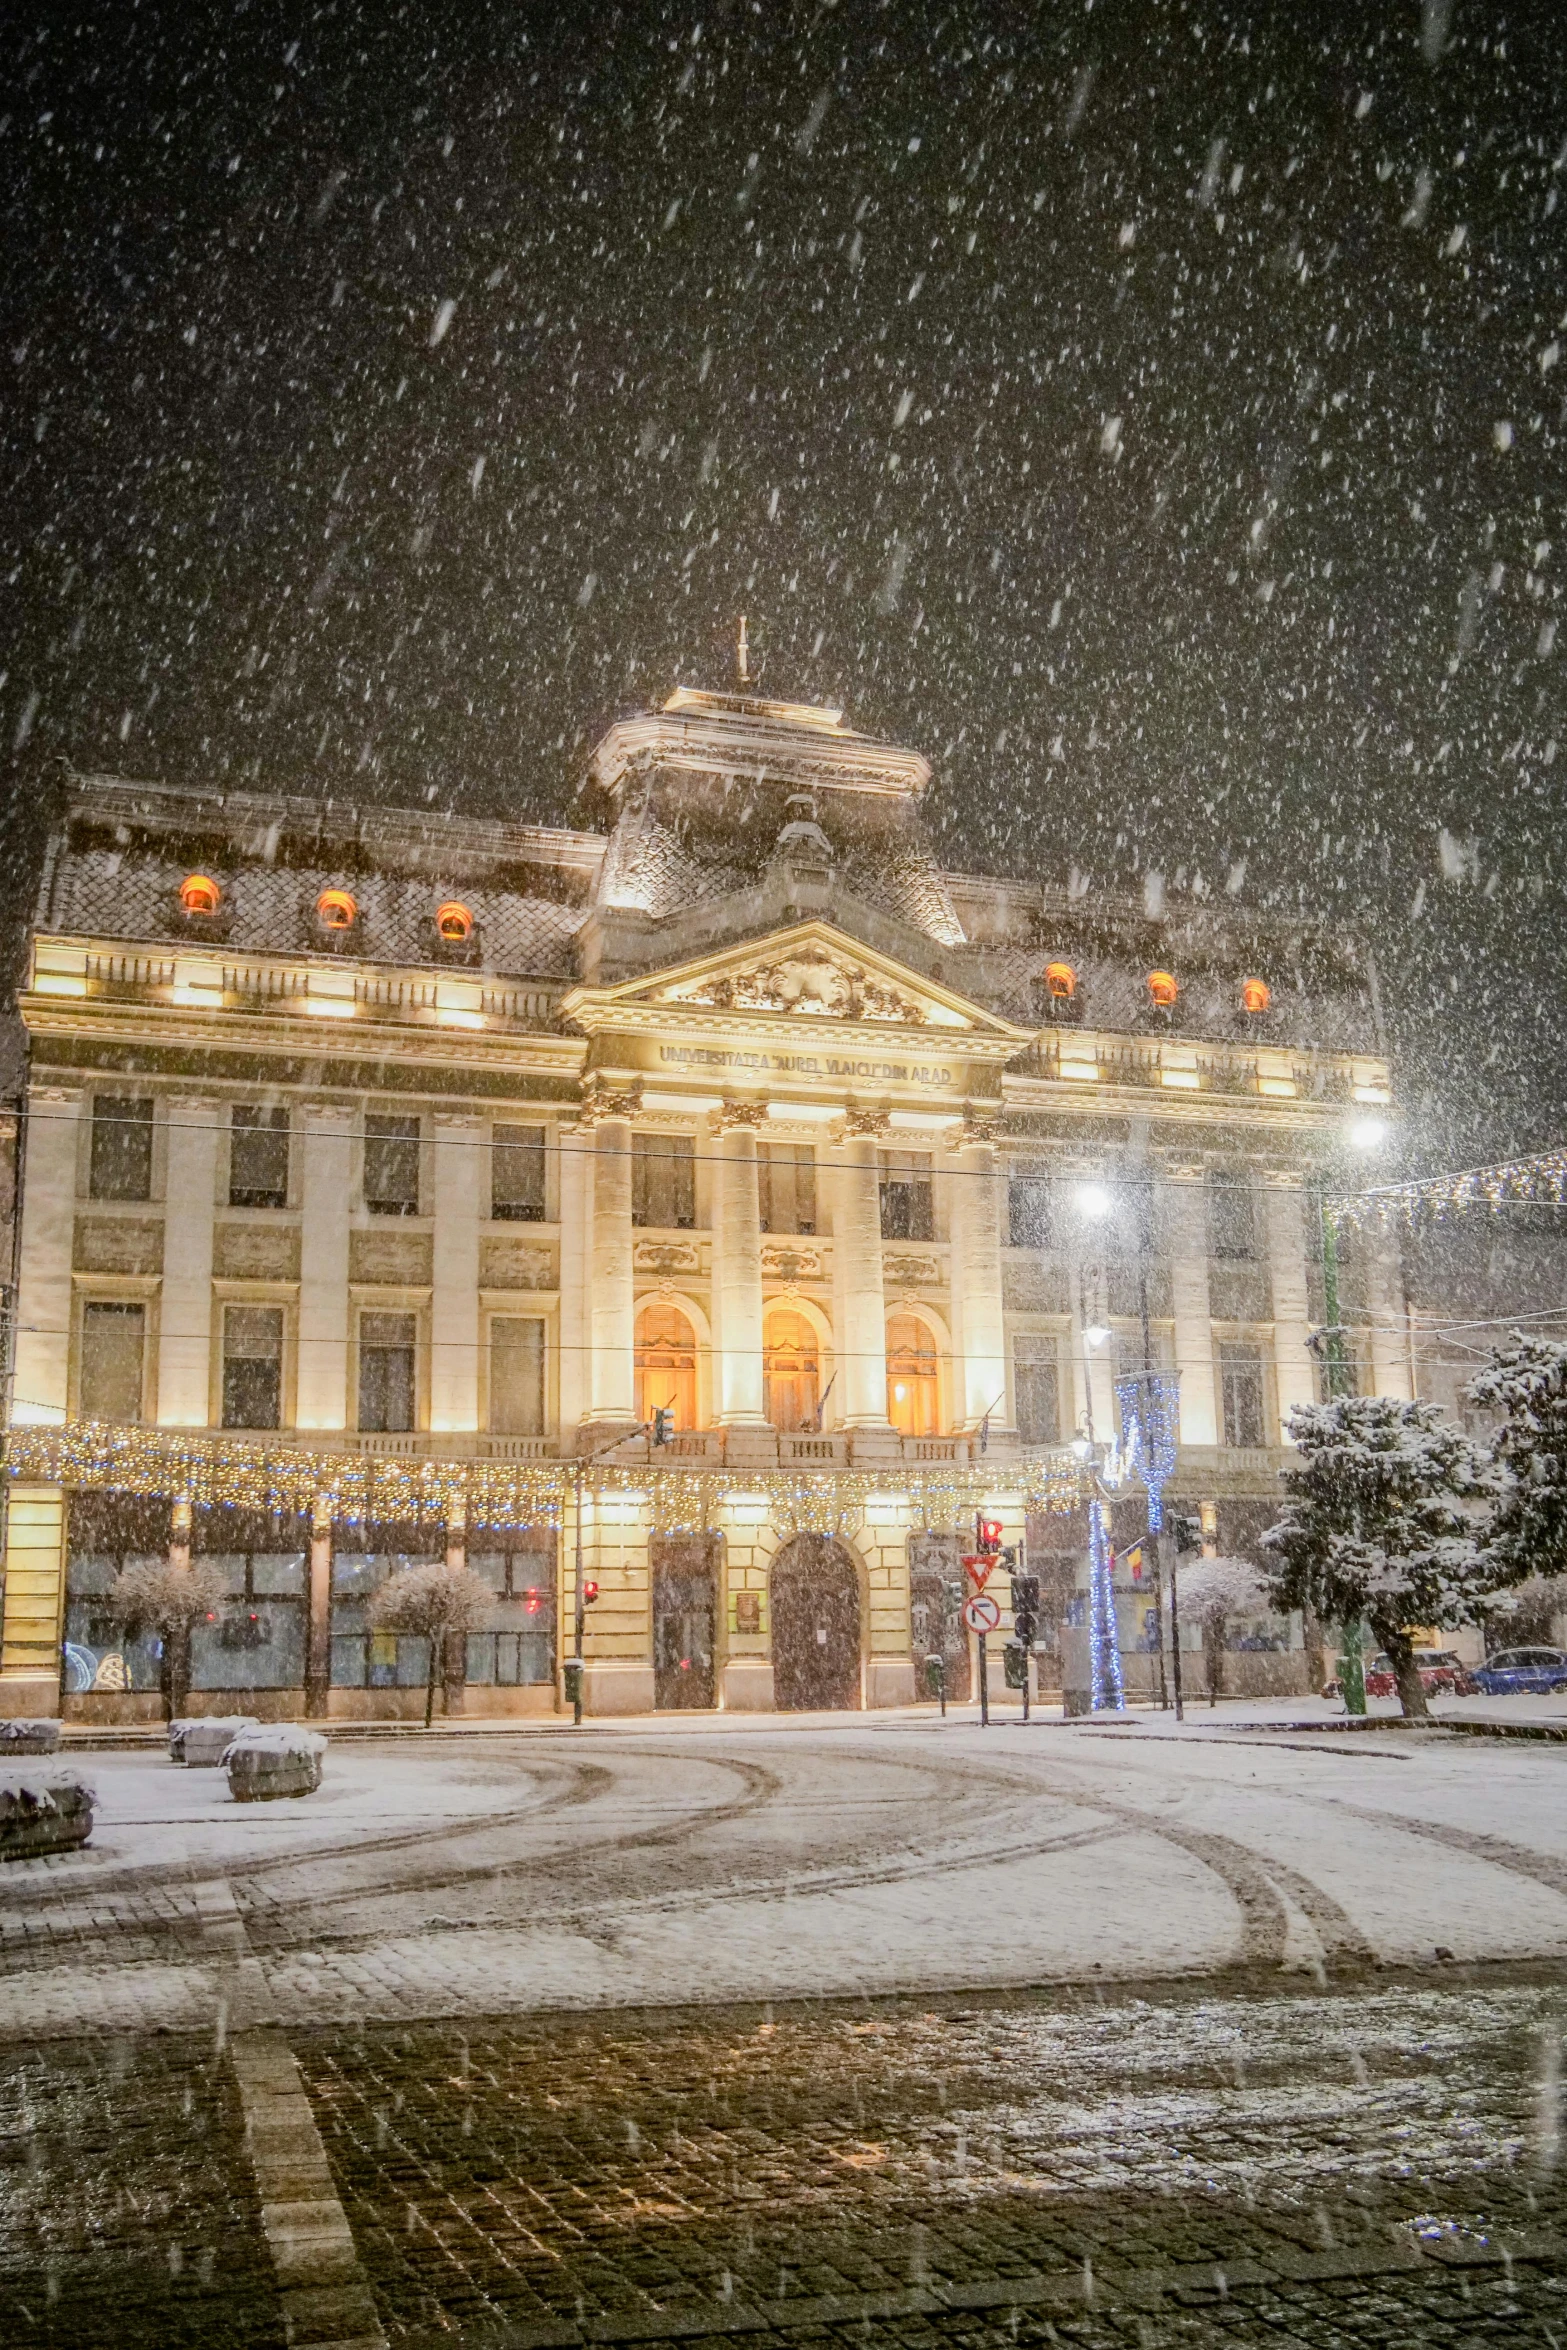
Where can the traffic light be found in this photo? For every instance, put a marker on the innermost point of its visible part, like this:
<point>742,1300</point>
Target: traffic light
<point>987,1537</point>
<point>1025,1608</point>
<point>590,1592</point>
<point>663,1423</point>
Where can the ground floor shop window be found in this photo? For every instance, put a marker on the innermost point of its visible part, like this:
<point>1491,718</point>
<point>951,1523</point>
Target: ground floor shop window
<point>256,1638</point>
<point>104,1534</point>
<point>516,1646</point>
<point>363,1658</point>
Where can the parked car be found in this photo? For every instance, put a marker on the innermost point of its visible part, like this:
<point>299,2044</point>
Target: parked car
<point>1515,1671</point>
<point>1442,1674</point>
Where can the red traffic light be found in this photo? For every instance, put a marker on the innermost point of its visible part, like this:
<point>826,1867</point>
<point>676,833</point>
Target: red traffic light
<point>987,1536</point>
<point>590,1592</point>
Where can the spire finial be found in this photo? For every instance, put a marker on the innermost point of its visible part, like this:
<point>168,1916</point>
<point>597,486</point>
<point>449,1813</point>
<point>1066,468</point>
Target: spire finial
<point>742,655</point>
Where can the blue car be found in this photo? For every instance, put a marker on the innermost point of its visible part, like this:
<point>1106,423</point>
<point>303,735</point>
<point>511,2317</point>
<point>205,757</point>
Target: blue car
<point>1514,1672</point>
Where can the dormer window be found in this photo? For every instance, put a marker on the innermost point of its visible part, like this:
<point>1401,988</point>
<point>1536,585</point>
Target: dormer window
<point>200,896</point>
<point>1163,990</point>
<point>1256,996</point>
<point>336,909</point>
<point>1060,982</point>
<point>453,923</point>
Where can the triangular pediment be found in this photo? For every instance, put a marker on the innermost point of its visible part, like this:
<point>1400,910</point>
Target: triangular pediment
<point>808,972</point>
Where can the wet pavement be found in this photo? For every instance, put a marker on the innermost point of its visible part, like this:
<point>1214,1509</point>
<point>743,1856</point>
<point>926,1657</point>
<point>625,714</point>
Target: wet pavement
<point>1345,2165</point>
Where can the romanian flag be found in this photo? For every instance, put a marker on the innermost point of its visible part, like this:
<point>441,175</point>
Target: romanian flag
<point>1132,1560</point>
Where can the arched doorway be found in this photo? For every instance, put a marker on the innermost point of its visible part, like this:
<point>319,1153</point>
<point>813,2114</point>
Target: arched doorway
<point>793,1371</point>
<point>911,1376</point>
<point>666,1363</point>
<point>685,1608</point>
<point>815,1595</point>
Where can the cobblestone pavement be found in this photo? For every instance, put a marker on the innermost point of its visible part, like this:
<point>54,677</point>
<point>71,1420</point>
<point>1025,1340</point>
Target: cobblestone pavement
<point>481,2026</point>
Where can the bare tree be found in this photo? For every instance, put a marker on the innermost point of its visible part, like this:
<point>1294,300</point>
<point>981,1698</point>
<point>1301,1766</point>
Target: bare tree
<point>157,1595</point>
<point>1211,1591</point>
<point>435,1603</point>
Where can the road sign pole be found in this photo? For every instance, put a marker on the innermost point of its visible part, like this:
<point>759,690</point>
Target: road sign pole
<point>984,1685</point>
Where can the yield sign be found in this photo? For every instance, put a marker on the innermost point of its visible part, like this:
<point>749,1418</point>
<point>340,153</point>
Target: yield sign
<point>980,1571</point>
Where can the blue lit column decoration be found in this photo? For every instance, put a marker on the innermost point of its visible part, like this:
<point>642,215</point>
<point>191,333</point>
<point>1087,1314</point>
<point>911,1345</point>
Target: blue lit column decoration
<point>1104,1650</point>
<point>1150,1404</point>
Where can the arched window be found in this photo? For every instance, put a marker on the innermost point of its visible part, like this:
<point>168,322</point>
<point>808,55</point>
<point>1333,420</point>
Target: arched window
<point>1162,989</point>
<point>911,1376</point>
<point>1061,981</point>
<point>666,1364</point>
<point>200,894</point>
<point>336,910</point>
<point>1255,995</point>
<point>793,1371</point>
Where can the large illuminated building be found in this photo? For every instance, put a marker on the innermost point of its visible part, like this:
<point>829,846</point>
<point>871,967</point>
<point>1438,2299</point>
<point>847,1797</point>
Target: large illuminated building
<point>380,1168</point>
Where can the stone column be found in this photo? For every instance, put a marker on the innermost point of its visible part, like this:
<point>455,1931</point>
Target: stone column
<point>1389,1318</point>
<point>1294,1371</point>
<point>574,1146</point>
<point>979,1325</point>
<point>737,1268</point>
<point>33,1600</point>
<point>40,1387</point>
<point>459,1190</point>
<point>1189,1304</point>
<point>612,1313</point>
<point>318,1630</point>
<point>860,1307</point>
<point>185,1313</point>
<point>323,1267</point>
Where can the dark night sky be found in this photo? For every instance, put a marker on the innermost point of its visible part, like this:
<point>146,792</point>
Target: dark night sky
<point>1152,412</point>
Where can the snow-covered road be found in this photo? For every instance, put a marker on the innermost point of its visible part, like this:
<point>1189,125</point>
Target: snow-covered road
<point>643,1866</point>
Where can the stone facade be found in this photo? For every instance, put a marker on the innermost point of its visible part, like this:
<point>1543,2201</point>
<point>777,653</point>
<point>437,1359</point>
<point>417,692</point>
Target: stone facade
<point>386,1180</point>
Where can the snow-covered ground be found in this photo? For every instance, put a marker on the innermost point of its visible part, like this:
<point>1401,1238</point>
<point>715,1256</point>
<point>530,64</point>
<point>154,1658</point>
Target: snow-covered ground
<point>698,1859</point>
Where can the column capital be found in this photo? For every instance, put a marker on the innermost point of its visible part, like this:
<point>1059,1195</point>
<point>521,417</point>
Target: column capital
<point>602,1101</point>
<point>861,1120</point>
<point>56,1093</point>
<point>978,1130</point>
<point>732,1115</point>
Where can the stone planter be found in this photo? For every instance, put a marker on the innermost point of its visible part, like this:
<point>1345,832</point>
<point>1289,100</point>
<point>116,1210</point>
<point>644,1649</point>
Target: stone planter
<point>265,1764</point>
<point>200,1741</point>
<point>42,1737</point>
<point>42,1813</point>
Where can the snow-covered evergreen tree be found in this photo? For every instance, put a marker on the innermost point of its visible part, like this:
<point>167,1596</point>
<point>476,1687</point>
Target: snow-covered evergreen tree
<point>1526,1384</point>
<point>1373,1526</point>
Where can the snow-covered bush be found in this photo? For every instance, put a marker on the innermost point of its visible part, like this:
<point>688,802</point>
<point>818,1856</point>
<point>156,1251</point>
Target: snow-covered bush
<point>22,1737</point>
<point>1212,1592</point>
<point>42,1812</point>
<point>434,1603</point>
<point>1526,1385</point>
<point>281,1759</point>
<point>158,1595</point>
<point>1373,1526</point>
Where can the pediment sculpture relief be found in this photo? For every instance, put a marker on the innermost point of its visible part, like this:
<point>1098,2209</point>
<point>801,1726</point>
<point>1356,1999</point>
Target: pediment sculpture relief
<point>813,984</point>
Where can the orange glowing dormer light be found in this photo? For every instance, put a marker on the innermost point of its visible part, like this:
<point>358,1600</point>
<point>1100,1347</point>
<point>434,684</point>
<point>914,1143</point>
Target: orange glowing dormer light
<point>1061,981</point>
<point>1256,995</point>
<point>336,910</point>
<point>200,894</point>
<point>1162,989</point>
<point>453,922</point>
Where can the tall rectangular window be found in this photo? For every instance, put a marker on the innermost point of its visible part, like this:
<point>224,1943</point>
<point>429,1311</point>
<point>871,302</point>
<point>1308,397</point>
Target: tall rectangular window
<point>253,1367</point>
<point>258,1158</point>
<point>1036,1372</point>
<point>517,1174</point>
<point>516,1375</point>
<point>121,1147</point>
<point>392,1166</point>
<point>1232,1216</point>
<point>114,1341</point>
<point>906,1211</point>
<point>1240,1392</point>
<point>786,1186</point>
<point>663,1180</point>
<point>1029,1219</point>
<point>387,1394</point>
